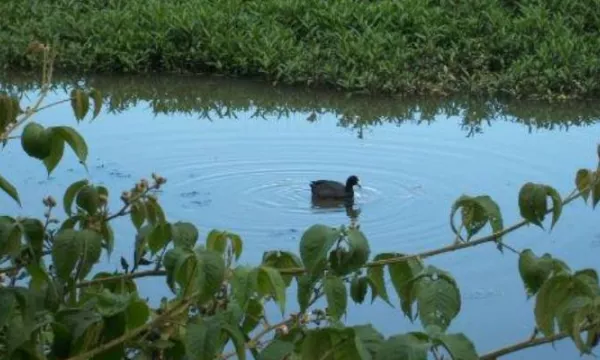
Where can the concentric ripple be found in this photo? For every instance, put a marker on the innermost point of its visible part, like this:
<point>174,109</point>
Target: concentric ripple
<point>253,176</point>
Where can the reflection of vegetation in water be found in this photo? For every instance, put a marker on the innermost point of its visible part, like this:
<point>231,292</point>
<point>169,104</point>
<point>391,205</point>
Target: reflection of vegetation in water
<point>214,97</point>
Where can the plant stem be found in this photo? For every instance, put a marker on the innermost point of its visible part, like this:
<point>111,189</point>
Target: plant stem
<point>122,277</point>
<point>185,303</point>
<point>531,342</point>
<point>445,249</point>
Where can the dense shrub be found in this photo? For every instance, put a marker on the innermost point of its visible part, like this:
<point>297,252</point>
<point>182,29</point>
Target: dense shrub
<point>526,48</point>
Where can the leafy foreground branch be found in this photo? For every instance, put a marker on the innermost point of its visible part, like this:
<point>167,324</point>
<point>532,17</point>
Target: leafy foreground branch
<point>54,306</point>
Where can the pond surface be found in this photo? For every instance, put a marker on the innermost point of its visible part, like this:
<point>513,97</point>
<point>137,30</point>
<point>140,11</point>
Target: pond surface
<point>240,156</point>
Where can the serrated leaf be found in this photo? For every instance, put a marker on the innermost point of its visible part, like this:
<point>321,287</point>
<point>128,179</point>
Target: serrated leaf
<point>70,194</point>
<point>359,249</point>
<point>80,103</point>
<point>137,314</point>
<point>211,273</point>
<point>185,235</point>
<point>57,149</point>
<point>88,199</point>
<point>36,141</point>
<point>66,251</point>
<point>438,298</point>
<point>159,237</point>
<point>534,270</point>
<point>34,234</point>
<point>358,289</point>
<point>282,260</point>
<point>237,338</point>
<point>532,203</point>
<point>476,212</point>
<point>553,294</point>
<point>583,180</point>
<point>254,313</point>
<point>332,343</point>
<point>277,350</point>
<point>138,214</point>
<point>75,141</point>
<point>401,274</point>
<point>596,189</point>
<point>201,339</point>
<point>403,347</point>
<point>305,290</point>
<point>242,285</point>
<point>7,306</point>
<point>556,204</point>
<point>154,212</point>
<point>9,189</point>
<point>458,346</point>
<point>108,236</point>
<point>375,274</point>
<point>10,238</point>
<point>315,245</point>
<point>91,249</point>
<point>336,296</point>
<point>96,97</point>
<point>269,281</point>
<point>371,338</point>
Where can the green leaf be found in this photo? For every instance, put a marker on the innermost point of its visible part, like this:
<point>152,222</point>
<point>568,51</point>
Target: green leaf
<point>217,240</point>
<point>34,233</point>
<point>358,289</point>
<point>185,235</point>
<point>154,212</point>
<point>138,214</point>
<point>137,314</point>
<point>96,97</point>
<point>371,338</point>
<point>438,298</point>
<point>476,213</point>
<point>375,274</point>
<point>336,295</point>
<point>211,273</point>
<point>315,245</point>
<point>401,274</point>
<point>9,190</point>
<point>57,149</point>
<point>534,270</point>
<point>553,294</point>
<point>533,205</point>
<point>70,194</point>
<point>66,251</point>
<point>173,261</point>
<point>254,313</point>
<point>332,343</point>
<point>596,189</point>
<point>7,306</point>
<point>10,238</point>
<point>583,180</point>
<point>277,350</point>
<point>556,204</point>
<point>269,281</point>
<point>159,237</point>
<point>201,338</point>
<point>108,236</point>
<point>91,249</point>
<point>242,285</point>
<point>358,248</point>
<point>403,347</point>
<point>282,260</point>
<point>237,338</point>
<point>36,141</point>
<point>88,199</point>
<point>305,290</point>
<point>80,103</point>
<point>458,346</point>
<point>75,141</point>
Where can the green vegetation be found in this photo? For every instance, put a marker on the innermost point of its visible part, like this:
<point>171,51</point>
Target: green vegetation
<point>526,48</point>
<point>53,305</point>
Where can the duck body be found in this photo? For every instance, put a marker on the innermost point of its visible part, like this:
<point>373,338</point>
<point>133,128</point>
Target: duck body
<point>334,190</point>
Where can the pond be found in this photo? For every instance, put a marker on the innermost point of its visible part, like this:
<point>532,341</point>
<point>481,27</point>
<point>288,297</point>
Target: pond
<point>239,156</point>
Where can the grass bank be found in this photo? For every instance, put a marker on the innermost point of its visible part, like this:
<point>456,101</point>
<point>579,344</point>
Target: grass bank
<point>529,48</point>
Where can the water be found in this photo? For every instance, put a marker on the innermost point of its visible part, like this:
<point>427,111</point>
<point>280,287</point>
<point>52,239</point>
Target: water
<point>239,156</point>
